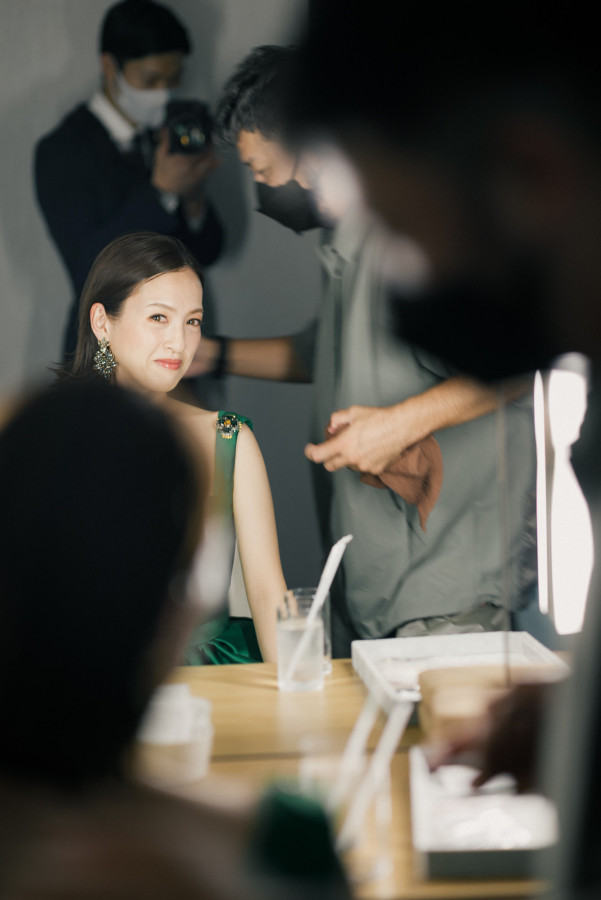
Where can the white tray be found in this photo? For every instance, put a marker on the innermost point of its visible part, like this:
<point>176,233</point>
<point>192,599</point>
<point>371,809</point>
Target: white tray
<point>390,667</point>
<point>461,833</point>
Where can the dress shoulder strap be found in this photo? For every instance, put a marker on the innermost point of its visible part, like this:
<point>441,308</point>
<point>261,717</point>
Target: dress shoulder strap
<point>228,426</point>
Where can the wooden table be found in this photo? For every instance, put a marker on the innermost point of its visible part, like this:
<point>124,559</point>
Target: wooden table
<point>261,734</point>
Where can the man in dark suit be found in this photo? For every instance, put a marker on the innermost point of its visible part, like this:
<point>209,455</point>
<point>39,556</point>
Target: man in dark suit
<point>101,174</point>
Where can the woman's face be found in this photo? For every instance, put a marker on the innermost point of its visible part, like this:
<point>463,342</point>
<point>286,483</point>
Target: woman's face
<point>156,335</point>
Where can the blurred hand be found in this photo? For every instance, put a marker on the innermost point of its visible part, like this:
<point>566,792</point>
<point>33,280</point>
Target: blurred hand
<point>204,358</point>
<point>180,173</point>
<point>363,438</point>
<point>507,741</point>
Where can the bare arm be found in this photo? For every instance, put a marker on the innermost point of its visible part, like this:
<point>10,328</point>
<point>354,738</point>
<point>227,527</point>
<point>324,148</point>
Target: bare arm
<point>274,359</point>
<point>257,541</point>
<point>368,438</point>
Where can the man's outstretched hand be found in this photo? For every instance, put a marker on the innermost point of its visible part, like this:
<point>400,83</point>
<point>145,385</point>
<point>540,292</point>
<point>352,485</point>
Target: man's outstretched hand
<point>363,438</point>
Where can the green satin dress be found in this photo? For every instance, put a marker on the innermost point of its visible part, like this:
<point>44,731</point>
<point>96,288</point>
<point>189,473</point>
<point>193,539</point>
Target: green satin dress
<point>225,639</point>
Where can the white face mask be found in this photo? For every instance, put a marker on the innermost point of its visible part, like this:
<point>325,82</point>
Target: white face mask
<point>144,107</point>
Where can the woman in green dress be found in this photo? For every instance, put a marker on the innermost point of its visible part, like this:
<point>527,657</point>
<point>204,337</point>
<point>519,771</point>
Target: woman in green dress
<point>140,325</point>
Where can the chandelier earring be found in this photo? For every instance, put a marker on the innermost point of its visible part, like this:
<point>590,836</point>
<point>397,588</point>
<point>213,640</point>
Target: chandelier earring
<point>104,361</point>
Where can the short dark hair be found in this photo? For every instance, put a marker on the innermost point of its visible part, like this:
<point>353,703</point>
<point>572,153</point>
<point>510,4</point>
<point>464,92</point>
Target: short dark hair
<point>132,29</point>
<point>116,272</point>
<point>253,96</point>
<point>101,505</point>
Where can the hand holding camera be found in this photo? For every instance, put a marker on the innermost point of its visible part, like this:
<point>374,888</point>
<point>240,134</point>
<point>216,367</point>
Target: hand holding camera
<point>184,155</point>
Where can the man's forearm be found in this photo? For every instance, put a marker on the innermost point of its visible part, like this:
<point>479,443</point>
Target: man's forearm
<point>274,359</point>
<point>271,358</point>
<point>370,438</point>
<point>457,400</point>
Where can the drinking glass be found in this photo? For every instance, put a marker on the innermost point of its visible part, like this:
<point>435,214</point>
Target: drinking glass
<point>304,670</point>
<point>305,595</point>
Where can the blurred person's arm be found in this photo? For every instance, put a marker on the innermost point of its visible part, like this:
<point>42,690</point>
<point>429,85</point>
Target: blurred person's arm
<point>184,176</point>
<point>506,741</point>
<point>368,439</point>
<point>275,359</point>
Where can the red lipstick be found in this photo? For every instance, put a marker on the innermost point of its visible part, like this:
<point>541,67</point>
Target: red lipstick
<point>173,364</point>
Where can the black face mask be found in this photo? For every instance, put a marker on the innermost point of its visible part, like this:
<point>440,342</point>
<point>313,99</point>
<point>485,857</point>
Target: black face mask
<point>289,204</point>
<point>490,331</point>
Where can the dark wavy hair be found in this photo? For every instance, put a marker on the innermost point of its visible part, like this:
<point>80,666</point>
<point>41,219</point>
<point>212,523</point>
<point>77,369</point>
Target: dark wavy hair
<point>116,272</point>
<point>253,97</point>
<point>133,29</point>
<point>101,508</point>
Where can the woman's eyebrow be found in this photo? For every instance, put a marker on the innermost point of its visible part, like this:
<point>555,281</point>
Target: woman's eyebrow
<point>198,309</point>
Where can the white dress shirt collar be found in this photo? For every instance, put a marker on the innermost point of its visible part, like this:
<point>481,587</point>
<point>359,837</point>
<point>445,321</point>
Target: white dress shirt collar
<point>120,130</point>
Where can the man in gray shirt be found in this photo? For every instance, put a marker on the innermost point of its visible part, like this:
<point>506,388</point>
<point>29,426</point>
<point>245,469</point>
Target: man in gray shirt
<point>376,397</point>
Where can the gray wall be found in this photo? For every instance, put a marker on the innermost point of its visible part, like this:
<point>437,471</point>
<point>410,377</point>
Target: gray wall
<point>267,283</point>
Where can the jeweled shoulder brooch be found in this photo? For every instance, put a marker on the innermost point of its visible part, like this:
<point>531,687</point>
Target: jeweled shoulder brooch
<point>228,425</point>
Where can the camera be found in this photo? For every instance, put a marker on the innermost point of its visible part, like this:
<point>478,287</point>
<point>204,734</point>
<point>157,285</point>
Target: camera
<point>189,126</point>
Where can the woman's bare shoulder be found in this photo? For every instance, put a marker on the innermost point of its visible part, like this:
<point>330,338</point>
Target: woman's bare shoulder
<point>203,424</point>
<point>198,424</point>
<point>192,416</point>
